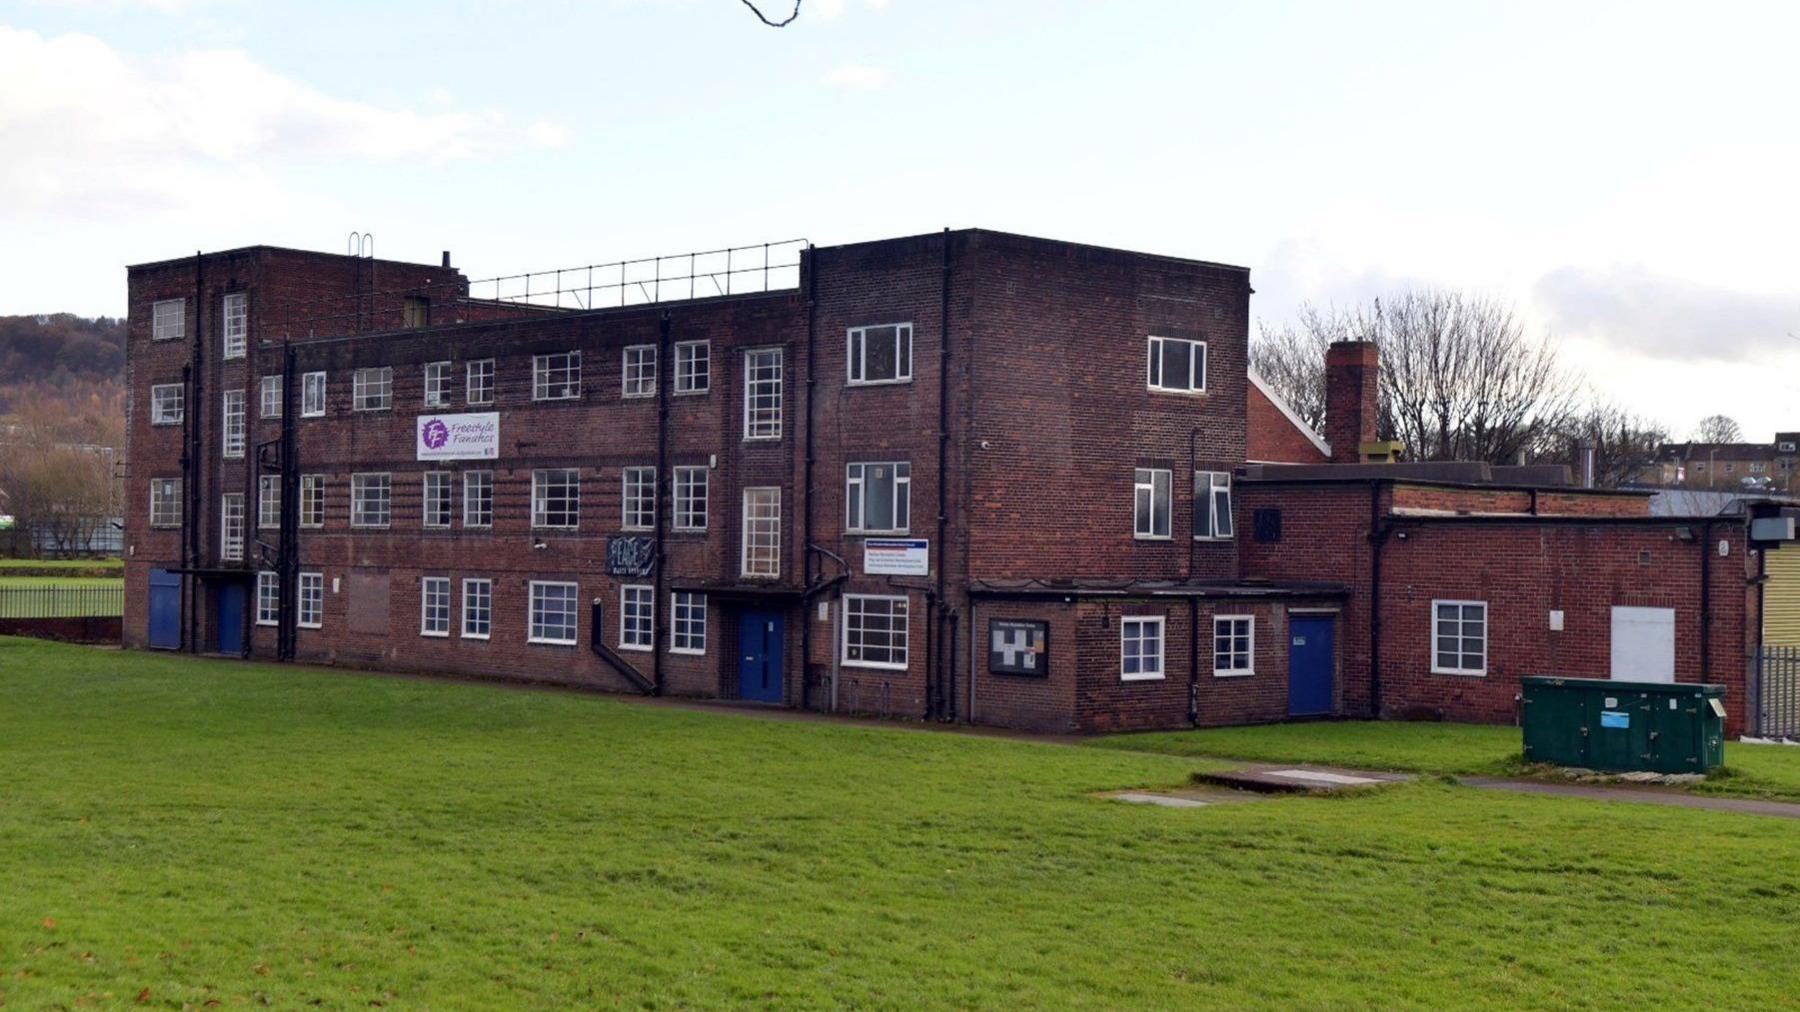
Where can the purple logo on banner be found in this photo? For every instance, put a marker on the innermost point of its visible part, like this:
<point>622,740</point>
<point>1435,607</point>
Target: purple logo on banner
<point>436,434</point>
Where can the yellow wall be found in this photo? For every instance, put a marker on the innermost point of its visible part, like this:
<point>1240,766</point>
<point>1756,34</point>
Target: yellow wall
<point>1781,598</point>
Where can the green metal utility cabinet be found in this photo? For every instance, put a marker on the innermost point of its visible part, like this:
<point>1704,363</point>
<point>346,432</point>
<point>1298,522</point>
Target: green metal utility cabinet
<point>1659,727</point>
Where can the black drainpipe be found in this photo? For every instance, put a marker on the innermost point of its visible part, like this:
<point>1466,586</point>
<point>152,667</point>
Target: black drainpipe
<point>190,465</point>
<point>806,517</point>
<point>943,458</point>
<point>1706,550</point>
<point>1378,535</point>
<point>1193,661</point>
<point>660,607</point>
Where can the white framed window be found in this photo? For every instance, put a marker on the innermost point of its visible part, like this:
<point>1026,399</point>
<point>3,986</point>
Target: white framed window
<point>693,367</point>
<point>762,393</point>
<point>311,611</point>
<point>437,384</point>
<point>1140,647</point>
<point>231,527</point>
<point>690,498</point>
<point>233,444</point>
<point>269,398</point>
<point>552,613</point>
<point>312,500</point>
<point>312,395</point>
<point>237,325</point>
<point>1177,365</point>
<point>1150,498</point>
<point>372,389</point>
<point>268,501</point>
<point>878,497</point>
<point>1212,505</point>
<point>168,319</point>
<point>556,377</point>
<point>478,499</point>
<point>268,598</point>
<point>1234,645</point>
<point>480,376</point>
<point>556,498</point>
<point>875,631</point>
<point>165,502</point>
<point>637,617</point>
<point>167,401</point>
<point>762,532</point>
<point>371,499</point>
<point>880,354</point>
<point>436,496</point>
<point>637,510</point>
<point>687,611</point>
<point>434,606</point>
<point>640,370</point>
<point>477,609</point>
<point>1459,637</point>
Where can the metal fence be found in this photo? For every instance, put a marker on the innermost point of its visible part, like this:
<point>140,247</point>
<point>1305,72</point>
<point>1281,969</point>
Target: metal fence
<point>1775,698</point>
<point>53,601</point>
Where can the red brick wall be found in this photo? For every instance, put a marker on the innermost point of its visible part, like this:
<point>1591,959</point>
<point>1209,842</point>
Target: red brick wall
<point>1271,437</point>
<point>1545,502</point>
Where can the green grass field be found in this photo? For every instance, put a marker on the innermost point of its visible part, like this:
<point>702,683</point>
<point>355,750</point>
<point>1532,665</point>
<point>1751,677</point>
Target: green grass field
<point>207,831</point>
<point>1764,771</point>
<point>53,566</point>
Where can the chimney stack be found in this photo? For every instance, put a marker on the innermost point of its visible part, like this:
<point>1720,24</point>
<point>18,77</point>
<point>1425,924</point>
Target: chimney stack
<point>446,258</point>
<point>1351,398</point>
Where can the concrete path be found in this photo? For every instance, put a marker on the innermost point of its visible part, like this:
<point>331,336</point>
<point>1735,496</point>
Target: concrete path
<point>1298,778</point>
<point>1642,795</point>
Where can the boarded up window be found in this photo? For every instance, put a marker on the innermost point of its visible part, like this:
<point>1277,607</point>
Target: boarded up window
<point>368,605</point>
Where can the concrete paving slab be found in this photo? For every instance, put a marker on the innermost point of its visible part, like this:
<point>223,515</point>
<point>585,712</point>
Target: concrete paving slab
<point>1162,800</point>
<point>1272,779</point>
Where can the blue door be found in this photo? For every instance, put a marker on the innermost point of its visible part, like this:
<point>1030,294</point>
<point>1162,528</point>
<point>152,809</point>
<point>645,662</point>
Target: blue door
<point>1311,660</point>
<point>165,609</point>
<point>231,618</point>
<point>759,655</point>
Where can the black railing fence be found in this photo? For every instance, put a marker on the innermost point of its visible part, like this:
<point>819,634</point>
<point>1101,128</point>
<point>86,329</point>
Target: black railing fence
<point>1775,698</point>
<point>53,601</point>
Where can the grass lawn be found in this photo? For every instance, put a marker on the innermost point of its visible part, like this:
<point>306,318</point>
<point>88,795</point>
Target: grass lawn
<point>117,565</point>
<point>1765,771</point>
<point>198,831</point>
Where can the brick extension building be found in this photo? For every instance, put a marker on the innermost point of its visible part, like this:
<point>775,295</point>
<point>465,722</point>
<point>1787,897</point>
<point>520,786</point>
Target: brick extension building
<point>967,475</point>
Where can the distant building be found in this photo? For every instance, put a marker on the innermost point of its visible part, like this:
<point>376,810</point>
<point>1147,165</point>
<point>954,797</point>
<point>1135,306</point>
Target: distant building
<point>1728,467</point>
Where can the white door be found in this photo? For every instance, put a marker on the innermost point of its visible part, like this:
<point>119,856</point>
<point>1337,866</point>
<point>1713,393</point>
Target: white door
<point>1643,644</point>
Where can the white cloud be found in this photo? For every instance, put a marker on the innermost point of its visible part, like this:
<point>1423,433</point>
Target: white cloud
<point>1667,317</point>
<point>855,76</point>
<point>86,129</point>
<point>829,9</point>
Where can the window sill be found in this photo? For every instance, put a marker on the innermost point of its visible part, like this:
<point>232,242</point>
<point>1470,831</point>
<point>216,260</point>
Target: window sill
<point>483,637</point>
<point>165,425</point>
<point>1151,537</point>
<point>762,439</point>
<point>688,652</point>
<point>638,530</point>
<point>638,397</point>
<point>478,404</point>
<point>687,530</point>
<point>693,393</point>
<point>874,666</point>
<point>1233,674</point>
<point>879,383</point>
<point>1218,537</point>
<point>306,625</point>
<point>550,643</point>
<point>859,532</point>
<point>434,635</point>
<point>635,649</point>
<point>1143,678</point>
<point>1459,673</point>
<point>260,624</point>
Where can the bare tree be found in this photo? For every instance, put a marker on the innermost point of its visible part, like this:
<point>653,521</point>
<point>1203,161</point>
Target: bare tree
<point>1625,445</point>
<point>57,459</point>
<point>1718,429</point>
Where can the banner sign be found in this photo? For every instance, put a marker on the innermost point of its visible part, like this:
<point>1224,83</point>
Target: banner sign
<point>897,556</point>
<point>630,555</point>
<point>459,437</point>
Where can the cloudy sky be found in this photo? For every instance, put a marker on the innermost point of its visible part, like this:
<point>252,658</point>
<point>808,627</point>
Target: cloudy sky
<point>1624,172</point>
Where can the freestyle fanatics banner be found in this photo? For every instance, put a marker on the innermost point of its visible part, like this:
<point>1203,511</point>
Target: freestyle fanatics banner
<point>459,437</point>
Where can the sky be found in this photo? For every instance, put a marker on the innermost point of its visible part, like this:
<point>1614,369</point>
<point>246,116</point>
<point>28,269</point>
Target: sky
<point>1622,173</point>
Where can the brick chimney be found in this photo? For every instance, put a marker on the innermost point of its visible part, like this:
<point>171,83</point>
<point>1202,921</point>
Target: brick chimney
<point>1350,398</point>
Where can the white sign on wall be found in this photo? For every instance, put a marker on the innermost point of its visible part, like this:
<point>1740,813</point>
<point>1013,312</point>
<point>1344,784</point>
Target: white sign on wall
<point>459,437</point>
<point>897,556</point>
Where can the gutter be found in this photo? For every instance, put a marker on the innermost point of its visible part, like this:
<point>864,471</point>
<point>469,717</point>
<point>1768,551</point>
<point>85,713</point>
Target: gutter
<point>596,642</point>
<point>665,370</point>
<point>1378,535</point>
<point>945,687</point>
<point>810,260</point>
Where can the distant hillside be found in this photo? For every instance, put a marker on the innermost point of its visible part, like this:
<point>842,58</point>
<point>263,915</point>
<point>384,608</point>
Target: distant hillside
<point>61,357</point>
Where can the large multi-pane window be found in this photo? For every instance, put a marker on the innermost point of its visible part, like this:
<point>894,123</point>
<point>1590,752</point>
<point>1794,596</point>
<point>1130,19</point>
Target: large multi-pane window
<point>552,613</point>
<point>165,502</point>
<point>690,498</point>
<point>477,609</point>
<point>233,445</point>
<point>1212,504</point>
<point>637,616</point>
<point>237,325</point>
<point>437,384</point>
<point>311,612</point>
<point>434,606</point>
<point>880,354</point>
<point>312,395</point>
<point>687,612</point>
<point>1140,648</point>
<point>875,631</point>
<point>762,393</point>
<point>1150,496</point>
<point>312,500</point>
<point>168,319</point>
<point>435,511</point>
<point>478,499</point>
<point>269,401</point>
<point>1234,645</point>
<point>372,389</point>
<point>481,381</point>
<point>693,367</point>
<point>268,598</point>
<point>1459,637</point>
<point>638,499</point>
<point>231,527</point>
<point>556,377</point>
<point>640,370</point>
<point>556,497</point>
<point>878,497</point>
<point>1177,365</point>
<point>762,532</point>
<point>268,500</point>
<point>167,401</point>
<point>371,499</point>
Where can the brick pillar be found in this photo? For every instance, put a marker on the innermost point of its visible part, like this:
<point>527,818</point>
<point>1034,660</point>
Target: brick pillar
<point>1351,398</point>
